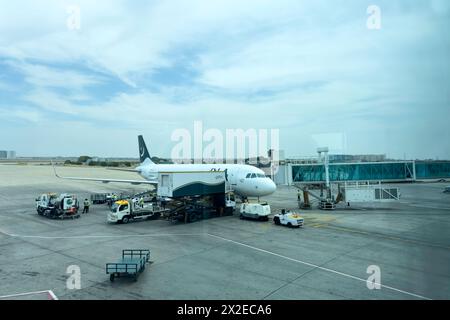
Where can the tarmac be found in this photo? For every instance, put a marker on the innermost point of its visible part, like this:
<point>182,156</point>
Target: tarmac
<point>225,258</point>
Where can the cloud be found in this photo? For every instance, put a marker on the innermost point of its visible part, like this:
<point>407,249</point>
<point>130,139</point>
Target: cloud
<point>51,101</point>
<point>22,113</point>
<point>306,67</point>
<point>121,39</point>
<point>6,87</point>
<point>44,76</point>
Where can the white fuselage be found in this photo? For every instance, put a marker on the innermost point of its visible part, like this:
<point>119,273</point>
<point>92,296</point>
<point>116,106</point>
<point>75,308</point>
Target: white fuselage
<point>247,181</point>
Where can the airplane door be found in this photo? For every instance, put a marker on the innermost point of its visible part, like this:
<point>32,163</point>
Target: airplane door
<point>164,186</point>
<point>241,176</point>
<point>231,176</point>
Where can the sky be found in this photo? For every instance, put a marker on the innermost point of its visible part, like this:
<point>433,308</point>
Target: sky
<point>313,70</point>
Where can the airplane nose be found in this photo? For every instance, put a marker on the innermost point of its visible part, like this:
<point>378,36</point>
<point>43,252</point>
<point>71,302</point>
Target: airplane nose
<point>272,186</point>
<point>269,188</point>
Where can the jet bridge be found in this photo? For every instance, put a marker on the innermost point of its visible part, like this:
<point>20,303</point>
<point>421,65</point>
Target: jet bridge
<point>349,192</point>
<point>368,192</point>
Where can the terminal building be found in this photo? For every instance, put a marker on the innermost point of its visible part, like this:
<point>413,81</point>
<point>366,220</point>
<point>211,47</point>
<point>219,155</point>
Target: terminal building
<point>7,154</point>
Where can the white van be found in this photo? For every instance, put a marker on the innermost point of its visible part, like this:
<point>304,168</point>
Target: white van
<point>259,211</point>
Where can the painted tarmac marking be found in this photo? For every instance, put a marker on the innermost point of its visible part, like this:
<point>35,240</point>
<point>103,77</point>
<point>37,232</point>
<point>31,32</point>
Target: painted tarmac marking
<point>318,267</point>
<point>101,236</point>
<point>428,207</point>
<point>224,239</point>
<point>384,236</point>
<point>50,294</point>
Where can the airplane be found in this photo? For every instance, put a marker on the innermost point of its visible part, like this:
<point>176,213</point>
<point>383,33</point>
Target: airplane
<point>245,180</point>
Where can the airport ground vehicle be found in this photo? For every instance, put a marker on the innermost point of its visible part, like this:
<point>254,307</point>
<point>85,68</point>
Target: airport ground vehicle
<point>132,263</point>
<point>191,209</point>
<point>100,198</point>
<point>195,195</point>
<point>257,211</point>
<point>55,206</point>
<point>288,218</point>
<point>125,211</point>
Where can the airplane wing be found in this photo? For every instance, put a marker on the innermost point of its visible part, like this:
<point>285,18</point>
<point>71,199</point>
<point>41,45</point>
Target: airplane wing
<point>106,180</point>
<point>123,169</point>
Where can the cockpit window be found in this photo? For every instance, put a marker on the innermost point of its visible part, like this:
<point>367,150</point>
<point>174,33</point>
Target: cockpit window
<point>255,175</point>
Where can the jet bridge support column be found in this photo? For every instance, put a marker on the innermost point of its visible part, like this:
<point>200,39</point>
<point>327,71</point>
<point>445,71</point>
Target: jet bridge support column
<point>306,204</point>
<point>327,202</point>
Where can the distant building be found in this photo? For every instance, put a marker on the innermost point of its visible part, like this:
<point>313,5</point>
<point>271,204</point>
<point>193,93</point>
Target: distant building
<point>7,154</point>
<point>96,160</point>
<point>357,157</point>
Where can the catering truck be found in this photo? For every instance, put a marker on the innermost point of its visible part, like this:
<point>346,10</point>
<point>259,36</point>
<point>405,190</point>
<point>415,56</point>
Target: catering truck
<point>196,195</point>
<point>186,184</point>
<point>124,211</point>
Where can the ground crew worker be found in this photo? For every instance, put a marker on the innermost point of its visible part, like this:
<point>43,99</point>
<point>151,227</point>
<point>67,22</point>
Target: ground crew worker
<point>141,202</point>
<point>86,206</point>
<point>298,195</point>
